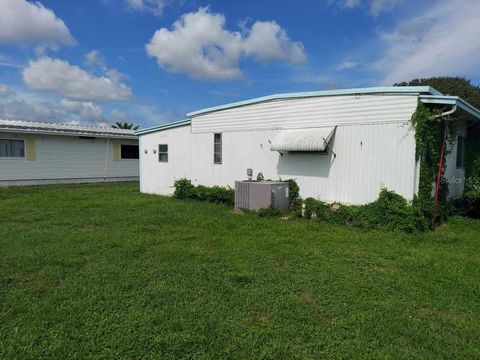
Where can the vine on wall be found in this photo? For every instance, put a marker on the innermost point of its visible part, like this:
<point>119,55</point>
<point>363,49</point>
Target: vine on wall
<point>429,135</point>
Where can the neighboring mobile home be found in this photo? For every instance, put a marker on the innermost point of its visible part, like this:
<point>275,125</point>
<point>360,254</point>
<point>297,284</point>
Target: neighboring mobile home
<point>339,145</point>
<point>45,153</point>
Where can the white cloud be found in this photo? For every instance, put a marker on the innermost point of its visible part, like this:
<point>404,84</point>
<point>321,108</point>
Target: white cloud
<point>23,21</point>
<point>31,110</point>
<point>6,64</point>
<point>347,65</point>
<point>200,46</point>
<point>94,58</point>
<point>70,81</point>
<point>85,109</point>
<point>375,7</point>
<point>379,6</point>
<point>351,3</point>
<point>442,41</point>
<point>267,41</point>
<point>115,75</point>
<point>117,115</point>
<point>32,107</point>
<point>5,91</point>
<point>152,6</point>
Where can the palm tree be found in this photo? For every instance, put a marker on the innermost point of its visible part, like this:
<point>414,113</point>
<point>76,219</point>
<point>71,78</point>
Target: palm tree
<point>125,126</point>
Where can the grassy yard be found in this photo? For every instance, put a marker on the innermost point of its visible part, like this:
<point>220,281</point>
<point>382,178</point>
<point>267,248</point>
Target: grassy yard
<point>101,271</point>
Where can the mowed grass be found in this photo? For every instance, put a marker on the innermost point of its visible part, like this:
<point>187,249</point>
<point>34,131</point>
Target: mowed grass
<point>102,271</point>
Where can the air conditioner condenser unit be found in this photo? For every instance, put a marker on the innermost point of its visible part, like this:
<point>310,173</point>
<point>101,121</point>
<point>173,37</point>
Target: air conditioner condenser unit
<point>255,195</point>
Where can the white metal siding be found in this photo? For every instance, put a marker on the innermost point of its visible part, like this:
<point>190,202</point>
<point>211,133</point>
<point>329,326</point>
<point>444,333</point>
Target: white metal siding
<point>369,157</point>
<point>158,177</point>
<point>309,112</point>
<point>67,157</point>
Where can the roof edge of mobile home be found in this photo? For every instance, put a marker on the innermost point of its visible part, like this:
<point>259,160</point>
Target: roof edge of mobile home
<point>427,95</point>
<point>451,100</point>
<point>45,128</point>
<point>163,127</point>
<point>354,91</point>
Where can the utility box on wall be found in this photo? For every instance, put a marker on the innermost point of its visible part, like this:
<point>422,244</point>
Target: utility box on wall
<point>255,195</point>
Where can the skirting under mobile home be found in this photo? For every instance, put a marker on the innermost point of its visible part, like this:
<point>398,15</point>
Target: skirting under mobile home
<point>340,146</point>
<point>43,153</point>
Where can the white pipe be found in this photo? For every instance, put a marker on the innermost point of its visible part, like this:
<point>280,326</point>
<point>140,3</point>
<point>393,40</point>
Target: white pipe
<point>446,113</point>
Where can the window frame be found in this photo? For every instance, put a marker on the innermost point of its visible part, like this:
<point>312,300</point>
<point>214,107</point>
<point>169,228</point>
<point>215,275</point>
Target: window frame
<point>460,155</point>
<point>129,158</point>
<point>24,156</point>
<point>162,153</point>
<point>216,153</point>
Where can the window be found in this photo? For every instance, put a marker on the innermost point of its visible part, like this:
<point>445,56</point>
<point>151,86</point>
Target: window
<point>129,151</point>
<point>12,148</point>
<point>163,153</point>
<point>217,148</point>
<point>460,152</point>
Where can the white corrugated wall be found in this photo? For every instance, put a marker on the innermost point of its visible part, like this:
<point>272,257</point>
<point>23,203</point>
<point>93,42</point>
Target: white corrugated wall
<point>373,141</point>
<point>309,112</point>
<point>369,157</point>
<point>67,157</point>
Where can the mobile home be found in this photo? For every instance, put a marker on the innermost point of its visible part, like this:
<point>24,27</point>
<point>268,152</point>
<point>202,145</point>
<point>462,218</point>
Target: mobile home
<point>339,145</point>
<point>34,153</point>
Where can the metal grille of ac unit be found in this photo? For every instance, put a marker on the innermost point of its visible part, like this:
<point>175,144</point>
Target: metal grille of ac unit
<point>254,195</point>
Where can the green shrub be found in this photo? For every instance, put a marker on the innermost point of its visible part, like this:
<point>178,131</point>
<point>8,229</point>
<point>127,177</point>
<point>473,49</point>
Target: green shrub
<point>471,196</point>
<point>183,189</point>
<point>317,209</point>
<point>390,211</point>
<point>270,212</point>
<point>471,203</point>
<point>221,195</point>
<point>216,194</point>
<point>200,193</point>
<point>295,208</point>
<point>323,211</point>
<point>310,207</point>
<point>345,215</point>
<point>293,190</point>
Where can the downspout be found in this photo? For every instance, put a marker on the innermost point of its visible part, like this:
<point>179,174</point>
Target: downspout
<point>442,151</point>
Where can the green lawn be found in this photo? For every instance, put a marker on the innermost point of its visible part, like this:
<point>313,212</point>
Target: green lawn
<point>102,271</point>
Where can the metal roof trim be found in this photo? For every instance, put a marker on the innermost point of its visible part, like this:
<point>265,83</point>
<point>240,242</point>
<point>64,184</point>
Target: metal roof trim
<point>163,127</point>
<point>451,100</point>
<point>63,133</point>
<point>31,127</point>
<point>354,91</point>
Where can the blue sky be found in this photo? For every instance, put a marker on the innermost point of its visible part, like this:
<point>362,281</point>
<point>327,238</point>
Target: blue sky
<point>152,61</point>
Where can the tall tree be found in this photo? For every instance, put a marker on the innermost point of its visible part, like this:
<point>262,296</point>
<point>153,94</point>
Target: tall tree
<point>125,126</point>
<point>458,86</point>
